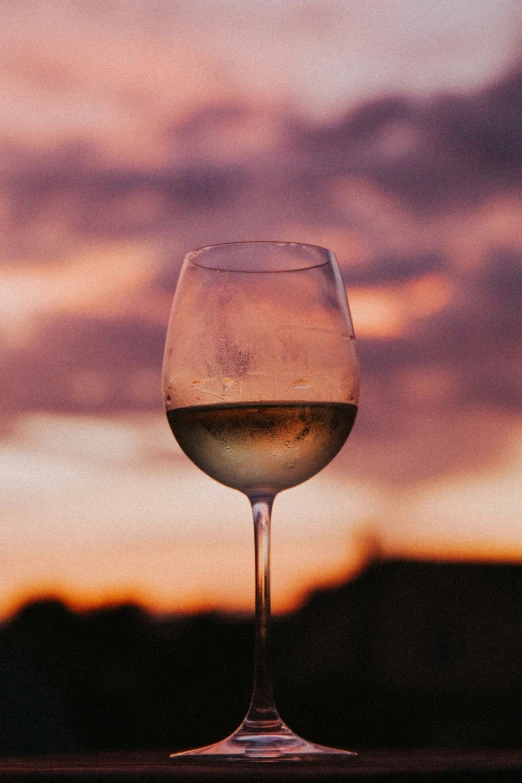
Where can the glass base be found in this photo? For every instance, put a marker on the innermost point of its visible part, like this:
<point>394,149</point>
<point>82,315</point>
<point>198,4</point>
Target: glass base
<point>278,743</point>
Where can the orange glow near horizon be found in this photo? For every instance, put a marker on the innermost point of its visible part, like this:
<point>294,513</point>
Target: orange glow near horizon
<point>156,603</point>
<point>83,284</point>
<point>231,569</point>
<point>384,312</point>
<point>209,568</point>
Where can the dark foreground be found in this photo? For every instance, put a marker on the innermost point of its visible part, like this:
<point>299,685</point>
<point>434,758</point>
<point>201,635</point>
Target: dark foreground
<point>409,655</point>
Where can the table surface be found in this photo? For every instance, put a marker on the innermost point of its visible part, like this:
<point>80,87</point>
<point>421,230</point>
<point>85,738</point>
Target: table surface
<point>494,766</point>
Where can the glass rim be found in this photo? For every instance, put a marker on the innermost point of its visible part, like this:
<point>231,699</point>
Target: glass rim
<point>324,256</point>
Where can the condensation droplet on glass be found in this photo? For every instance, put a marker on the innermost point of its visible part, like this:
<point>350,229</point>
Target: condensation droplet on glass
<point>301,383</point>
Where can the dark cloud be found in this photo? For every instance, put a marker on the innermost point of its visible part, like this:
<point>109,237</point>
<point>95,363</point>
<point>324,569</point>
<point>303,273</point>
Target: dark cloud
<point>502,279</point>
<point>431,153</point>
<point>486,129</point>
<point>442,398</point>
<point>477,339</point>
<point>394,268</point>
<point>83,365</point>
<point>193,133</point>
<point>332,147</point>
<point>88,200</point>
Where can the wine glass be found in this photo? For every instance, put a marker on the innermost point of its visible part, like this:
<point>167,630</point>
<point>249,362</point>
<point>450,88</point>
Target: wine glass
<point>261,386</point>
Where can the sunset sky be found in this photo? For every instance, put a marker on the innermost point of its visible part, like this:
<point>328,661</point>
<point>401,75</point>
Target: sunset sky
<point>133,131</point>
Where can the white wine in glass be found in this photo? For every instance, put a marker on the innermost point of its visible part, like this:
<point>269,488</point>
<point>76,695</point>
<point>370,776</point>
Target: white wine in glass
<point>261,387</point>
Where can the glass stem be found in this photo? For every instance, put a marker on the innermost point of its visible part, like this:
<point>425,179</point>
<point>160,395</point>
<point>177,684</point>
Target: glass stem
<point>262,713</point>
